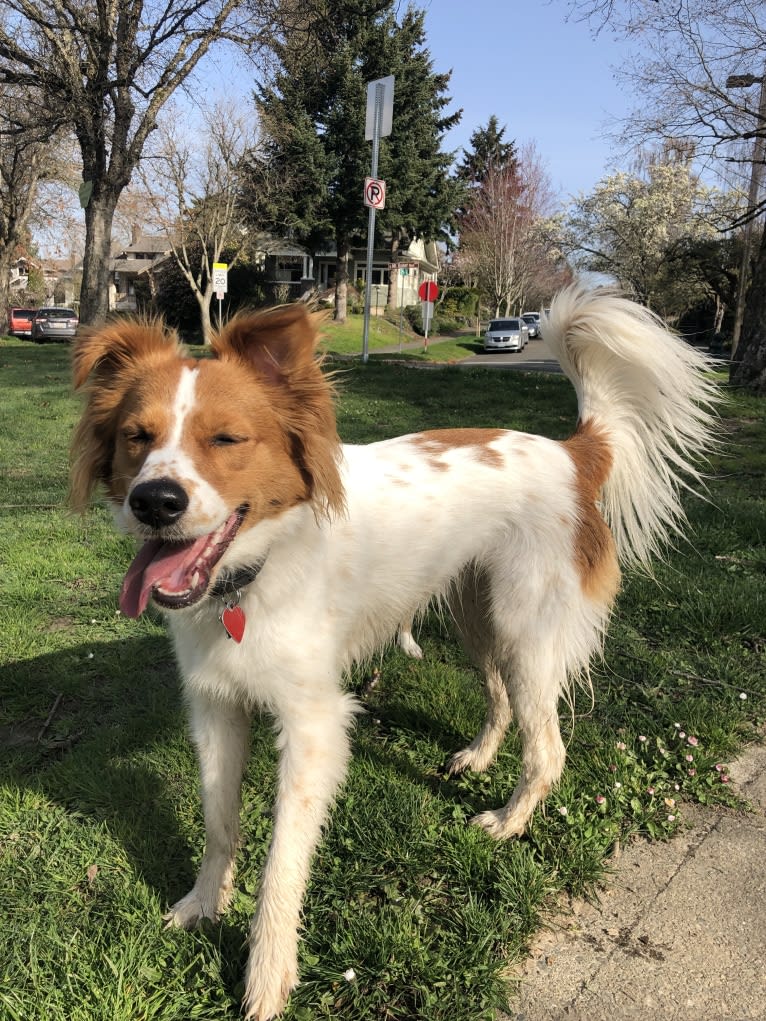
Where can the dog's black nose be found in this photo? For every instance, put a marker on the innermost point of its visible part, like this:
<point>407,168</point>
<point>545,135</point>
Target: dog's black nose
<point>158,503</point>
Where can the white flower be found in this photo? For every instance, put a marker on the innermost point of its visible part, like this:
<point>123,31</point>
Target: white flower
<point>743,695</point>
<point>563,810</point>
<point>349,974</point>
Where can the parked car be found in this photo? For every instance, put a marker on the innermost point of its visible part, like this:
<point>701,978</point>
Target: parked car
<point>20,321</point>
<point>54,324</point>
<point>532,319</point>
<point>506,335</point>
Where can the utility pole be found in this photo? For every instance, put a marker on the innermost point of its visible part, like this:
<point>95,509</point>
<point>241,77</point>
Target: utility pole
<point>736,81</point>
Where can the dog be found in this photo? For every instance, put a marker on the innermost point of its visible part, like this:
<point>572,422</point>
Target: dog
<point>280,556</point>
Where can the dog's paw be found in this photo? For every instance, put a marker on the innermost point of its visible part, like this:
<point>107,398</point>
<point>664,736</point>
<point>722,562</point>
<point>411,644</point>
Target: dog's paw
<point>268,983</point>
<point>190,911</point>
<point>500,825</point>
<point>409,645</point>
<point>469,758</point>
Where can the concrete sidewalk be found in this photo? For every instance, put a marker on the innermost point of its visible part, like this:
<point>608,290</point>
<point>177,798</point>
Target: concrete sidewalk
<point>679,931</point>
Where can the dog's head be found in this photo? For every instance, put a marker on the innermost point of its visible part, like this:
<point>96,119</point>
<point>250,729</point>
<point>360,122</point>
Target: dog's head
<point>193,452</point>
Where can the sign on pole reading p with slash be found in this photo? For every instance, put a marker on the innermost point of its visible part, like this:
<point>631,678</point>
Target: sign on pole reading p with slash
<point>374,193</point>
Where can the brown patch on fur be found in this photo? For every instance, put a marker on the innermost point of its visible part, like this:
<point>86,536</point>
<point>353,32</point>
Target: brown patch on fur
<point>440,440</point>
<point>595,552</point>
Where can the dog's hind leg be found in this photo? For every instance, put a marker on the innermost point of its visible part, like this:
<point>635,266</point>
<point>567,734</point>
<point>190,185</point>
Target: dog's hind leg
<point>221,734</point>
<point>535,681</point>
<point>469,605</point>
<point>481,752</point>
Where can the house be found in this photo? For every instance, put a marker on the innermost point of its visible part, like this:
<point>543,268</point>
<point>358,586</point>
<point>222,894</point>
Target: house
<point>127,263</point>
<point>57,281</point>
<point>291,271</point>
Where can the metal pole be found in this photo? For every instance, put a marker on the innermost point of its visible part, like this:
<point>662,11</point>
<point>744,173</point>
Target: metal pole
<point>759,149</point>
<point>379,93</point>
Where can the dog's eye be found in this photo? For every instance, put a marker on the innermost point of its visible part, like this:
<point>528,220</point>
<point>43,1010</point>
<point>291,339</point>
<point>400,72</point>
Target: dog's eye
<point>226,440</point>
<point>138,435</point>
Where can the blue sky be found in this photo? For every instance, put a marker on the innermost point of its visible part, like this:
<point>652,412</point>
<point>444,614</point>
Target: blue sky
<point>544,77</point>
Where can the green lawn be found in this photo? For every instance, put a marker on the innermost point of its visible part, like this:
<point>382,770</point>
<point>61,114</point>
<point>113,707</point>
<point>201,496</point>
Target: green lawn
<point>100,822</point>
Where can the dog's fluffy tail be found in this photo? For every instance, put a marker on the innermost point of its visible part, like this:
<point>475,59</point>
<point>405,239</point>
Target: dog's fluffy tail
<point>650,392</point>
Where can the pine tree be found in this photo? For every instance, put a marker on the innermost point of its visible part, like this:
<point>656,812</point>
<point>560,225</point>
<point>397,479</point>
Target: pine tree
<point>313,117</point>
<point>487,150</point>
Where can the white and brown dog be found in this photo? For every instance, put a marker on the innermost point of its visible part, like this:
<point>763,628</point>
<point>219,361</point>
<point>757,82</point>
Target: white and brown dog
<point>257,523</point>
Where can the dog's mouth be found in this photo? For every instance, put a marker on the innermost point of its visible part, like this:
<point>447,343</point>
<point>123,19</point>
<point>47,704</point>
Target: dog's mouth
<point>176,574</point>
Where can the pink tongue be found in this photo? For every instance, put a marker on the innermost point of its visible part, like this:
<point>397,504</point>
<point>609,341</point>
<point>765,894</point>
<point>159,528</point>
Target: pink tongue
<point>167,563</point>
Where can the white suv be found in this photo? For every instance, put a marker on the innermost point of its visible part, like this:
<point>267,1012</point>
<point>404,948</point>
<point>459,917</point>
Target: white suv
<point>506,335</point>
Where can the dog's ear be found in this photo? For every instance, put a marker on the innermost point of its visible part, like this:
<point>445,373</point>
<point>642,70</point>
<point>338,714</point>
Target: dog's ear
<point>275,343</point>
<point>107,350</point>
<point>104,360</point>
<point>280,346</point>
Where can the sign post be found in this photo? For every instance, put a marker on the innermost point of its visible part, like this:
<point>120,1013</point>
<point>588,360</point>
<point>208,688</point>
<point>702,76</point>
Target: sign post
<point>428,292</point>
<point>378,121</point>
<point>404,271</point>
<point>220,285</point>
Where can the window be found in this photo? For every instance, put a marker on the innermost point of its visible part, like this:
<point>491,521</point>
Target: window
<point>290,269</point>
<point>379,274</point>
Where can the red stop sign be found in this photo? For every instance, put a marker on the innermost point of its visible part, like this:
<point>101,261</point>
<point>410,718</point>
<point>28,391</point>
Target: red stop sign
<point>428,291</point>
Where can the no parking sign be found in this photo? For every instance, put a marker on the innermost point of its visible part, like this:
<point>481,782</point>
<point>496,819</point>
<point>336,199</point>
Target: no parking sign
<point>374,193</point>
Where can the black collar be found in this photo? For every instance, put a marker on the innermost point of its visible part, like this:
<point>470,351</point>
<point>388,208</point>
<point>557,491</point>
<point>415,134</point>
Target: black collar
<point>232,580</point>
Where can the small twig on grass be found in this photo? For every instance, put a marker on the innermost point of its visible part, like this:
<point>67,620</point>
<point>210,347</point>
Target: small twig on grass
<point>51,714</point>
<point>711,681</point>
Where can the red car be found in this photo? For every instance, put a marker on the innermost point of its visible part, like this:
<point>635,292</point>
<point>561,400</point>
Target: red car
<point>20,321</point>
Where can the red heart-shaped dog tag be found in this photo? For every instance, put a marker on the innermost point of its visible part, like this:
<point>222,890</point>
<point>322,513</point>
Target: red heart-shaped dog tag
<point>233,620</point>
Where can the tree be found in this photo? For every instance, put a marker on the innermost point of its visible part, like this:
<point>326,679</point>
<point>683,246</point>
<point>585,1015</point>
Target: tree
<point>691,74</point>
<point>194,190</point>
<point>487,150</point>
<point>312,114</point>
<point>633,226</point>
<point>502,247</point>
<point>22,164</point>
<point>104,70</point>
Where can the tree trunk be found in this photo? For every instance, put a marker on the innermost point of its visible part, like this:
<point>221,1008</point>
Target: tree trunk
<point>341,281</point>
<point>204,299</point>
<point>94,293</point>
<point>748,368</point>
<point>6,259</point>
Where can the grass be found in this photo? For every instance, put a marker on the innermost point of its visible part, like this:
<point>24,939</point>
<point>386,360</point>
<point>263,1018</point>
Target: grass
<point>346,340</point>
<point>100,823</point>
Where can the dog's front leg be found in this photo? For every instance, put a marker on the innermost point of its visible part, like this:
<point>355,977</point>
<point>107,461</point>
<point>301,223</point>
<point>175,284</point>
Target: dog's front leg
<point>220,732</point>
<point>314,750</point>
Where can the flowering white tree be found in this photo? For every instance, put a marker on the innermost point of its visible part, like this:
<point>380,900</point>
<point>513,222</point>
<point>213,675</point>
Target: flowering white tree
<point>631,226</point>
<point>693,75</point>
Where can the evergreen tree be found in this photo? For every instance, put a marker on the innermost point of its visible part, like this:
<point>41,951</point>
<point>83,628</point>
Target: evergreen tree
<point>487,150</point>
<point>313,117</point>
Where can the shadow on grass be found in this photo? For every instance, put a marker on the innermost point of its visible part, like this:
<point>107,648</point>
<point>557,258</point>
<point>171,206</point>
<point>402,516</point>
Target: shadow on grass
<point>100,730</point>
<point>101,750</point>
